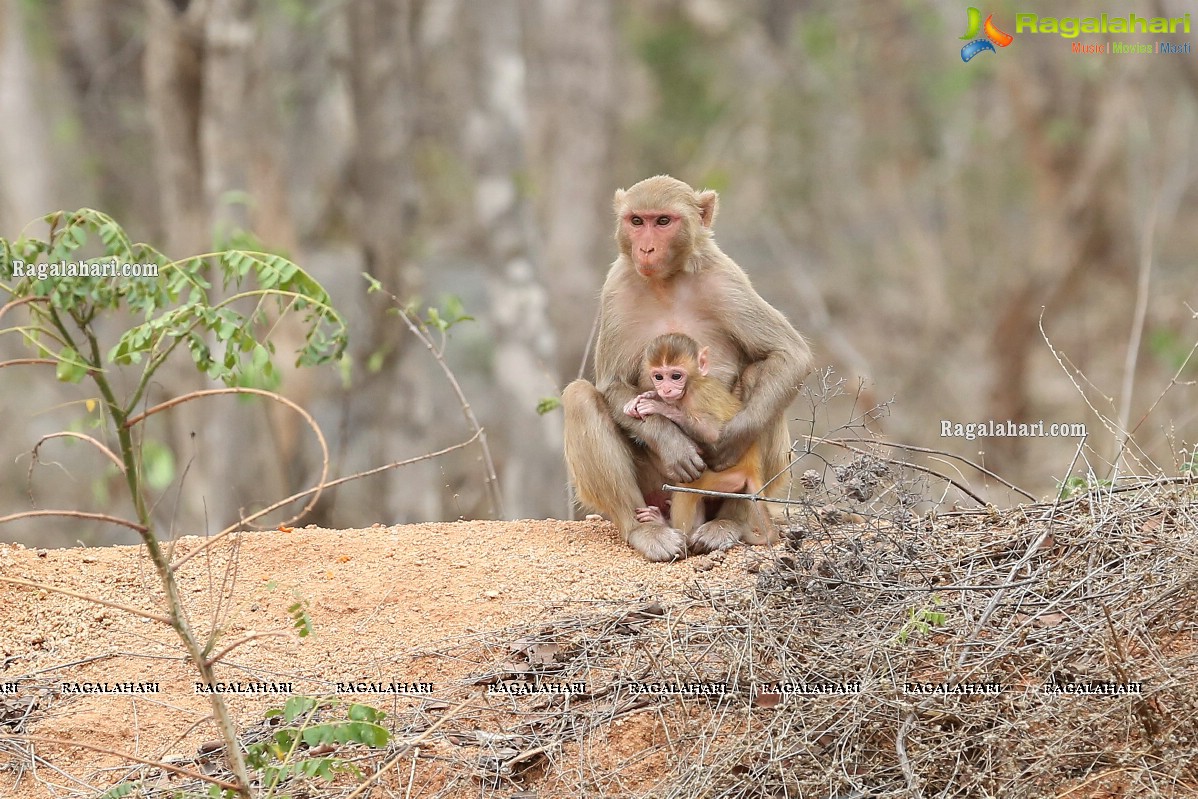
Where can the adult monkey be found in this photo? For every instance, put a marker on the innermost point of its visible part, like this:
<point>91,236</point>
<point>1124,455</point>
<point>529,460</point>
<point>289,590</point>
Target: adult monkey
<point>671,277</point>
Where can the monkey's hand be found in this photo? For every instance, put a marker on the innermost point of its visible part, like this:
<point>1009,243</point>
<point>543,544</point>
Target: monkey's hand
<point>678,456</point>
<point>638,407</point>
<point>648,404</point>
<point>680,459</point>
<point>736,437</point>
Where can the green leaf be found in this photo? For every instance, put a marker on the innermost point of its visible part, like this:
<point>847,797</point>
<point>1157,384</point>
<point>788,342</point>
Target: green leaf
<point>455,311</point>
<point>260,358</point>
<point>71,368</point>
<point>372,735</point>
<point>297,706</point>
<point>434,320</point>
<point>158,464</point>
<point>359,712</point>
<point>548,405</point>
<point>375,362</point>
<point>346,732</point>
<point>120,790</point>
<point>284,741</point>
<point>300,619</point>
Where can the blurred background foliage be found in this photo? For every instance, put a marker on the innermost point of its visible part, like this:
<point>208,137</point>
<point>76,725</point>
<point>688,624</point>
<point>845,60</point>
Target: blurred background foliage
<point>918,218</point>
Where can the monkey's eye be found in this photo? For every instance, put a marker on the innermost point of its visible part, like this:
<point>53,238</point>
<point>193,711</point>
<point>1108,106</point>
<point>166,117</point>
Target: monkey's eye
<point>659,378</point>
<point>636,221</point>
<point>663,220</point>
<point>676,376</point>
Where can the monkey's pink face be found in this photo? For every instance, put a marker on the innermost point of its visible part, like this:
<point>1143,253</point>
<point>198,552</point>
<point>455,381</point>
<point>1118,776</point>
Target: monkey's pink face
<point>669,382</point>
<point>652,235</point>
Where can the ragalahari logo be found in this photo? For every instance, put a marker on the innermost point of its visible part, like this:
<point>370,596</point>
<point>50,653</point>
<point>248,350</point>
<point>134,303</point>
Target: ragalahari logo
<point>978,45</point>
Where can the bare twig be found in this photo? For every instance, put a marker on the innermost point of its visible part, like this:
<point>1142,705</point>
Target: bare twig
<point>214,659</point>
<point>75,514</point>
<point>900,747</point>
<point>195,775</point>
<point>905,464</point>
<point>586,353</point>
<point>1173,383</point>
<point>28,361</point>
<point>16,303</point>
<point>420,331</point>
<point>1110,425</point>
<point>112,456</point>
<point>145,614</point>
<point>279,398</point>
<point>331,483</point>
<point>1033,547</point>
<point>731,495</point>
<point>931,451</point>
<point>407,747</point>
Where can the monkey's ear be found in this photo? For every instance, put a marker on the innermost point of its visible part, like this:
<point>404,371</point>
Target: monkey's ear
<point>709,203</point>
<point>703,366</point>
<point>618,201</point>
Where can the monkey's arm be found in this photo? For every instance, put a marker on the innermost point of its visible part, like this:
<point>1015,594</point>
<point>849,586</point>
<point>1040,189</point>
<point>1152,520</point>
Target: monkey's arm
<point>780,359</point>
<point>702,428</point>
<point>679,455</point>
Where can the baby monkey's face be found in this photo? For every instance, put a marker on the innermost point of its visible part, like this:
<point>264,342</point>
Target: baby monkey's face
<point>669,381</point>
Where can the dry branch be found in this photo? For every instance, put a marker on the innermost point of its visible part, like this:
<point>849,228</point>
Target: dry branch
<point>75,514</point>
<point>45,739</point>
<point>317,488</point>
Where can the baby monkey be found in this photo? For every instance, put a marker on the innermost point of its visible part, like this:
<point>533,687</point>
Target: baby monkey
<point>700,405</point>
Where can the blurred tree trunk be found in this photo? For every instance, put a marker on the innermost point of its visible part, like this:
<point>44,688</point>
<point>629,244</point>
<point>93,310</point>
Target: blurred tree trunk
<point>227,119</point>
<point>227,129</point>
<point>387,411</point>
<point>572,78</point>
<point>1187,66</point>
<point>174,73</point>
<point>243,188</point>
<point>25,188</point>
<point>173,70</point>
<point>1070,238</point>
<point>524,362</point>
<point>98,46</point>
<point>212,118</point>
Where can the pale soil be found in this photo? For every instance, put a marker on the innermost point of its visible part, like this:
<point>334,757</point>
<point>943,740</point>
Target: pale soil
<point>380,601</point>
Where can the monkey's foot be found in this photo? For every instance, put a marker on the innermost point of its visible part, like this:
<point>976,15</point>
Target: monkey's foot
<point>717,534</point>
<point>650,515</point>
<point>656,541</point>
<point>758,537</point>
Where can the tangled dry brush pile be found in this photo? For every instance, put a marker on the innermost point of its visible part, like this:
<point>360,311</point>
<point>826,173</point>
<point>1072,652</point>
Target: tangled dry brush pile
<point>1042,651</point>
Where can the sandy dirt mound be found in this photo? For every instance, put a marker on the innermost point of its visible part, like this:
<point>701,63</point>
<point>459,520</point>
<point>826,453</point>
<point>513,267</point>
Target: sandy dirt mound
<point>380,601</point>
<point>1044,650</point>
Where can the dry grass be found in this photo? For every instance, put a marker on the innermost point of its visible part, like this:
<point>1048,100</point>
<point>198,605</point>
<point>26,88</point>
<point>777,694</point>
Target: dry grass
<point>1100,588</point>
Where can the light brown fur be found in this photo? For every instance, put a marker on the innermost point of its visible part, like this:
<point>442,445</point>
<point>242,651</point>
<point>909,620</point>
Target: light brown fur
<point>673,278</point>
<point>701,411</point>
